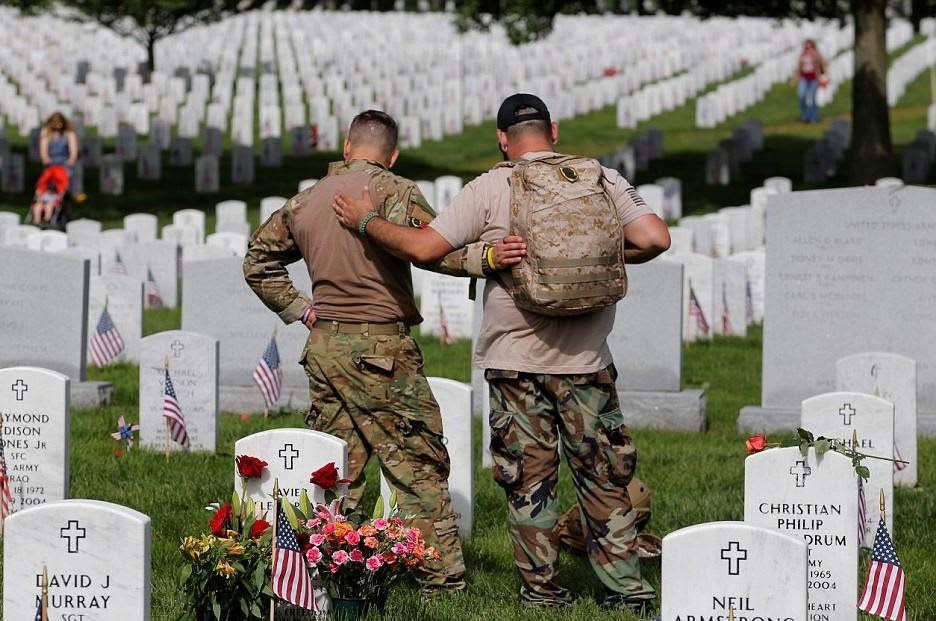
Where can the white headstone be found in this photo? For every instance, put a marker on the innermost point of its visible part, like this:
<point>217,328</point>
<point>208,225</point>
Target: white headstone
<point>76,541</point>
<point>123,296</point>
<point>180,235</point>
<point>653,196</point>
<point>892,377</point>
<point>698,296</point>
<point>305,184</point>
<point>454,399</point>
<point>446,187</point>
<point>231,210</point>
<point>815,500</point>
<point>157,261</point>
<point>191,217</point>
<point>47,241</point>
<point>142,226</point>
<point>837,415</point>
<point>268,205</point>
<point>235,242</point>
<point>445,297</point>
<point>291,455</point>
<point>193,369</point>
<point>731,318</point>
<point>34,413</point>
<point>712,569</point>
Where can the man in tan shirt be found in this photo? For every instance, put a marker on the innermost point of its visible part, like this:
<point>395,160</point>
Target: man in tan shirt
<point>365,372</point>
<point>551,378</point>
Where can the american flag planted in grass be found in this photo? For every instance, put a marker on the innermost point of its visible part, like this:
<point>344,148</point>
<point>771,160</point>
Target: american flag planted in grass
<point>173,414</point>
<point>290,576</point>
<point>268,376</point>
<point>696,311</point>
<point>884,586</point>
<point>106,342</point>
<point>153,296</point>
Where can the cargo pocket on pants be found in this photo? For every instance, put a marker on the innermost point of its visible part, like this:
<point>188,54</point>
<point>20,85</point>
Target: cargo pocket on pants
<point>617,446</point>
<point>505,450</point>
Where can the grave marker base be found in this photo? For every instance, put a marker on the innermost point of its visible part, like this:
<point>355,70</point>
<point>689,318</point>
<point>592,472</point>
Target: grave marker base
<point>683,410</point>
<point>86,395</point>
<point>247,399</point>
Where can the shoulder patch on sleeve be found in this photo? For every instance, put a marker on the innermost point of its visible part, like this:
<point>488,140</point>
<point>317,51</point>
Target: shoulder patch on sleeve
<point>636,197</point>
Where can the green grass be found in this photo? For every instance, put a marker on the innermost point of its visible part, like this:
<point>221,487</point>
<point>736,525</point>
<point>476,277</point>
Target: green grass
<point>694,478</point>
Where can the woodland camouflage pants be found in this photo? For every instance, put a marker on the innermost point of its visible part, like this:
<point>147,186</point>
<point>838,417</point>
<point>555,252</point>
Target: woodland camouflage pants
<point>530,415</point>
<point>371,392</point>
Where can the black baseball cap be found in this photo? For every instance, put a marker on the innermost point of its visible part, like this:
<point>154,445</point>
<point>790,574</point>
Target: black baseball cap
<point>507,114</point>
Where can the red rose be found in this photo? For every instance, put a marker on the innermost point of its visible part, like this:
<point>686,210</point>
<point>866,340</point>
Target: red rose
<point>118,453</point>
<point>259,527</point>
<point>250,467</point>
<point>756,444</point>
<point>219,522</point>
<point>325,477</point>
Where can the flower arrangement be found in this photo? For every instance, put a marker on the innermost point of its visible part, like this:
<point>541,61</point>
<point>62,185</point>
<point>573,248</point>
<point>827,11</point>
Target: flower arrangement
<point>226,571</point>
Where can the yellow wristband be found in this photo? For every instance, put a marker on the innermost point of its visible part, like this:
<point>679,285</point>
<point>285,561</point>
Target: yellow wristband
<point>490,258</point>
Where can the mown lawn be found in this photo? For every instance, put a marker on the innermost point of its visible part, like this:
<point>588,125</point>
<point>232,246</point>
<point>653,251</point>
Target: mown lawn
<point>694,477</point>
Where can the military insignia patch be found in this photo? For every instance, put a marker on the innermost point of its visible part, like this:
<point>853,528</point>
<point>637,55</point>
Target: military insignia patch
<point>569,174</point>
<point>416,223</point>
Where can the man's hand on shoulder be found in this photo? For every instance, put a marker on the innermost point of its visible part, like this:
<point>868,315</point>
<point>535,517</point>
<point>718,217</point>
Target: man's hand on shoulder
<point>508,252</point>
<point>351,211</point>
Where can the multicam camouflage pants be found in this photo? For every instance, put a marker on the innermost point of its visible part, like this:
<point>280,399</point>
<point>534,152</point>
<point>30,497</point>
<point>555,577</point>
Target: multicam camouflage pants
<point>371,392</point>
<point>530,414</point>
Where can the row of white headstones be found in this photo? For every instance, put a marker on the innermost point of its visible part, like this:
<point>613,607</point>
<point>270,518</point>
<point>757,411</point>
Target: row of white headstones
<point>432,77</point>
<point>68,536</point>
<point>793,503</point>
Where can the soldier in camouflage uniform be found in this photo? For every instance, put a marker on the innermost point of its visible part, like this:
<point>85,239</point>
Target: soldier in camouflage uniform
<point>551,379</point>
<point>366,378</point>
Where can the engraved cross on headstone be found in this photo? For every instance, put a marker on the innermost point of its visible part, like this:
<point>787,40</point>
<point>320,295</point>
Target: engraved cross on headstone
<point>19,388</point>
<point>176,348</point>
<point>800,470</point>
<point>74,533</point>
<point>846,413</point>
<point>734,555</point>
<point>289,453</point>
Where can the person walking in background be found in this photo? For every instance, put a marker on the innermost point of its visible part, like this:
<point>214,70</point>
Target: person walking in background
<point>58,143</point>
<point>810,72</point>
<point>552,379</point>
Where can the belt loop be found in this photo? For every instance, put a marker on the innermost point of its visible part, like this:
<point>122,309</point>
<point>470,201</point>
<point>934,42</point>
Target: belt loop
<point>334,325</point>
<point>402,327</point>
<point>365,329</point>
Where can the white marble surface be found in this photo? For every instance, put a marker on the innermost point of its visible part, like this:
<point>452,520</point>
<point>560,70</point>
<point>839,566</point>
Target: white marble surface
<point>97,555</point>
<point>193,368</point>
<point>837,415</point>
<point>816,500</point>
<point>292,456</point>
<point>892,377</point>
<point>124,298</point>
<point>712,568</point>
<point>34,413</point>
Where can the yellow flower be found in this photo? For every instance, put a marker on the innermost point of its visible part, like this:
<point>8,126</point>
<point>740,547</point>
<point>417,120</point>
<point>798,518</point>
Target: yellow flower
<point>224,569</point>
<point>190,546</point>
<point>205,542</point>
<point>236,549</point>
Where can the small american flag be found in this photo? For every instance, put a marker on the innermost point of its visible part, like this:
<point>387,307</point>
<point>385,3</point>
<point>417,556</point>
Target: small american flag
<point>6,498</point>
<point>153,296</point>
<point>173,414</point>
<point>39,612</point>
<point>696,311</point>
<point>898,465</point>
<point>725,315</point>
<point>290,576</point>
<point>268,376</point>
<point>884,586</point>
<point>118,267</point>
<point>445,335</point>
<point>748,303</point>
<point>106,342</point>
<point>862,514</point>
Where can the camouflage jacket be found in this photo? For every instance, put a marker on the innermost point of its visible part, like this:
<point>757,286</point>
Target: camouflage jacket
<point>272,246</point>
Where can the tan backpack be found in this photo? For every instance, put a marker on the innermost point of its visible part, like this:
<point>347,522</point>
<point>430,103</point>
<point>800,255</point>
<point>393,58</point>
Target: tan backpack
<point>575,248</point>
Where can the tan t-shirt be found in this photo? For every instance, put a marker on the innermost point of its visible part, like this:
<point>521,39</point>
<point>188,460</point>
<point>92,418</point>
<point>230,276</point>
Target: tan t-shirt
<point>512,339</point>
